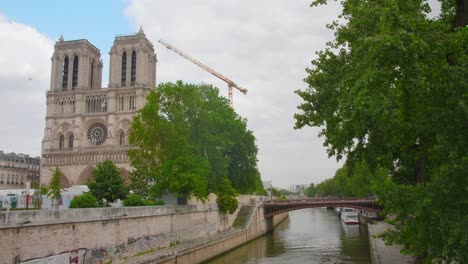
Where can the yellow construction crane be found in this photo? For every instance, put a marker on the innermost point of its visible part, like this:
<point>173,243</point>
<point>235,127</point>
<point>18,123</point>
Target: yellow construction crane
<point>208,69</point>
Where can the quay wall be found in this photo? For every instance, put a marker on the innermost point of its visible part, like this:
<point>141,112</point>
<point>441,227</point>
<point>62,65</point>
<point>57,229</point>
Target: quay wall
<point>255,227</point>
<point>100,235</point>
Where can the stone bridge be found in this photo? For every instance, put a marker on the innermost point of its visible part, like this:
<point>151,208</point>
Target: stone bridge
<point>274,207</point>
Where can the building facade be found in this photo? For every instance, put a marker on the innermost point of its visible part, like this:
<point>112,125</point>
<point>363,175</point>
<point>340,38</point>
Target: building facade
<point>17,169</point>
<point>86,123</point>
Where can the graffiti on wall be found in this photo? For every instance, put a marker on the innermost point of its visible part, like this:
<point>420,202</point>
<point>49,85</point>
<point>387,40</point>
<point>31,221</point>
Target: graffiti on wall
<point>131,246</point>
<point>76,256</point>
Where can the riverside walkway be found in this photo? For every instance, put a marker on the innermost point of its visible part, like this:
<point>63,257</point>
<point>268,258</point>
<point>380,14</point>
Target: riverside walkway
<point>381,253</point>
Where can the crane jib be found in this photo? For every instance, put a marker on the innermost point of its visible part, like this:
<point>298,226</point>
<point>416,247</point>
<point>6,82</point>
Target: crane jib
<point>208,69</point>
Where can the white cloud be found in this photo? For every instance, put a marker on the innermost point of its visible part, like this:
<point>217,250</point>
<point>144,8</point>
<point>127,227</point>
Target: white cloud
<point>263,45</point>
<point>24,79</point>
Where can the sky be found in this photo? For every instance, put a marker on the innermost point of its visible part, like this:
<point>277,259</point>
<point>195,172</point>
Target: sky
<point>264,46</point>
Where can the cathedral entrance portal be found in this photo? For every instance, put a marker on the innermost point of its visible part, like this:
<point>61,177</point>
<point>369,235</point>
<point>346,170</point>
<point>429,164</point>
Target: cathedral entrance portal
<point>85,176</point>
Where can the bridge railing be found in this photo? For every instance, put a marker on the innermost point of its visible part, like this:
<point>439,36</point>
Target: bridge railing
<point>279,206</point>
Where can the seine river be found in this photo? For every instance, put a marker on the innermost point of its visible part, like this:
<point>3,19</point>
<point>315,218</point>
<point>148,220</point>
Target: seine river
<point>307,236</point>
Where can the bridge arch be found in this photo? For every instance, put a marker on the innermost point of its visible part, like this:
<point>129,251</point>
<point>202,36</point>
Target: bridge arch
<point>272,208</point>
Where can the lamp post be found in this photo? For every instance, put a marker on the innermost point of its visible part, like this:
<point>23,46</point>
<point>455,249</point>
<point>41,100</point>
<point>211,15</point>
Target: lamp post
<point>27,193</point>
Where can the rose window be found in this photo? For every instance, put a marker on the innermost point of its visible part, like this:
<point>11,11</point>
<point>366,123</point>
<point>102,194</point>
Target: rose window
<point>97,134</point>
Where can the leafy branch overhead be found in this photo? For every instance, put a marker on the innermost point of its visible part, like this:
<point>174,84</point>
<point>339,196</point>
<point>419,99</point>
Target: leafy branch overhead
<point>392,89</point>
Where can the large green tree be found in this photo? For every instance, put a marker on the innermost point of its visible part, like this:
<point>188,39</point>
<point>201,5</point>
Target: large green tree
<point>392,89</point>
<point>107,184</point>
<point>188,141</point>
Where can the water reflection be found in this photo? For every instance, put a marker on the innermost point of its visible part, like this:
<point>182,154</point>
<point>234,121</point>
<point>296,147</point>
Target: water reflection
<point>307,236</point>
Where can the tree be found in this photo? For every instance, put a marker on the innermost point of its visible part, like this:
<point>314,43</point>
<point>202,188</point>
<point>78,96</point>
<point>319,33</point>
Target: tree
<point>311,191</point>
<point>107,183</point>
<point>187,140</point>
<point>226,200</point>
<point>85,200</point>
<point>140,184</point>
<point>275,192</point>
<point>391,89</point>
<point>37,195</point>
<point>356,182</point>
<point>54,191</point>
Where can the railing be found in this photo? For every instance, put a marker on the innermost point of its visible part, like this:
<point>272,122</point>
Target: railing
<point>85,157</point>
<point>275,207</point>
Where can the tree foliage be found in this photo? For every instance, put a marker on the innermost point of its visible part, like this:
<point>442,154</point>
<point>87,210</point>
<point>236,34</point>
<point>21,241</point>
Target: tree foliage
<point>54,190</point>
<point>358,182</point>
<point>288,192</point>
<point>392,89</point>
<point>275,192</point>
<point>37,195</point>
<point>227,201</point>
<point>140,184</point>
<point>311,191</point>
<point>107,183</point>
<point>136,200</point>
<point>85,200</point>
<point>189,142</point>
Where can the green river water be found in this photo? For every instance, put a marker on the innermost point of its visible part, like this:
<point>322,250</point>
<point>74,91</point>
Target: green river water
<point>307,236</point>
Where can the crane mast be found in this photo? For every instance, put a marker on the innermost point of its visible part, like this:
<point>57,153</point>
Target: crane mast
<point>208,69</point>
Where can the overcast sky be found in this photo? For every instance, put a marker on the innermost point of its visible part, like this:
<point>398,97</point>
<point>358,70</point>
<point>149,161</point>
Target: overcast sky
<point>262,45</point>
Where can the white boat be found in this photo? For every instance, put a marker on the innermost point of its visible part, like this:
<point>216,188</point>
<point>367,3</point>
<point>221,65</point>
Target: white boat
<point>349,216</point>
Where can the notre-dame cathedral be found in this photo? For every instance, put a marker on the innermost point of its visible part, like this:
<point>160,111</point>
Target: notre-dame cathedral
<point>86,123</point>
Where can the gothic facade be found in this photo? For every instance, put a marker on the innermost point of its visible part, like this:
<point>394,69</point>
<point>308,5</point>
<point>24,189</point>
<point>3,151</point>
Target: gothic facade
<point>86,123</point>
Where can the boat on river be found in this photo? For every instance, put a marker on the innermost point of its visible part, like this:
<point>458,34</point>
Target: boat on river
<point>349,216</point>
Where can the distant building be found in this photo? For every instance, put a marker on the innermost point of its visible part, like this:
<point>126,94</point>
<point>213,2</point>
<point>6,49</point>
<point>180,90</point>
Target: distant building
<point>85,123</point>
<point>17,169</point>
<point>298,187</point>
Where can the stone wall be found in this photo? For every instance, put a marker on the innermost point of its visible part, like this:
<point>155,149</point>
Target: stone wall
<point>205,249</point>
<point>99,234</point>
<point>257,226</point>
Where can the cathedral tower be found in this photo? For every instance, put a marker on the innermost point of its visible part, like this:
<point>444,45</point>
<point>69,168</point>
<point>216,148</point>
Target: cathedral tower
<point>86,123</point>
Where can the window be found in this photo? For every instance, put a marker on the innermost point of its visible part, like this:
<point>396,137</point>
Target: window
<point>133,69</point>
<point>70,141</point>
<point>65,74</point>
<point>97,134</point>
<point>124,68</point>
<point>61,141</point>
<point>92,75</point>
<point>126,101</point>
<point>121,101</point>
<point>96,103</point>
<point>122,138</point>
<point>75,73</point>
<point>131,102</point>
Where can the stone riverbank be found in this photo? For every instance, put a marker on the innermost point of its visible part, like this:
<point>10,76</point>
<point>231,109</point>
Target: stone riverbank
<point>381,253</point>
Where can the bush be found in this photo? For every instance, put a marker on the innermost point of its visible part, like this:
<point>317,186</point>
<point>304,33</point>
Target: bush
<point>158,202</point>
<point>227,202</point>
<point>86,200</point>
<point>135,200</point>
